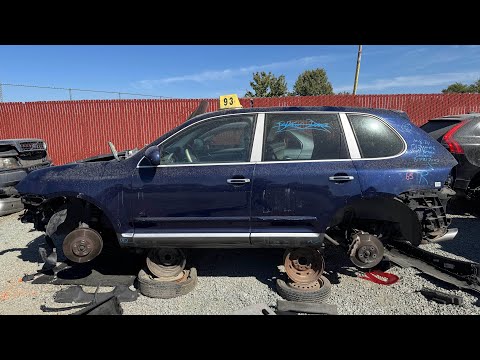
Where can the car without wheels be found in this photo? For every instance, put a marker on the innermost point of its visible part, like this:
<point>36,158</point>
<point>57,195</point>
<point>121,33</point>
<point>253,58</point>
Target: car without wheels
<point>287,177</point>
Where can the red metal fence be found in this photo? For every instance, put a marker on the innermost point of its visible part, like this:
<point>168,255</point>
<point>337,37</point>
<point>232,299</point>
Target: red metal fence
<point>78,129</point>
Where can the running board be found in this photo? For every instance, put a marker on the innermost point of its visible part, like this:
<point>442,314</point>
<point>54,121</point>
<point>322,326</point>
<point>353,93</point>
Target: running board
<point>220,240</point>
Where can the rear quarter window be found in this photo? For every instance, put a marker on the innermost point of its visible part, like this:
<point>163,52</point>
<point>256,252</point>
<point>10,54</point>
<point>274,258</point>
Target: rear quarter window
<point>375,138</point>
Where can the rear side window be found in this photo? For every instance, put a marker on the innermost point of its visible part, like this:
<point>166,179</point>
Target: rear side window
<point>303,136</point>
<point>375,138</point>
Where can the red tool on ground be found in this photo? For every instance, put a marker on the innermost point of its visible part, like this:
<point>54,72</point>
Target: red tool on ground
<point>375,275</point>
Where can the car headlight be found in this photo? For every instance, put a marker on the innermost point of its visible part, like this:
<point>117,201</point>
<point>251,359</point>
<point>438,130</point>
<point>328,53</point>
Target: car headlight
<point>8,163</point>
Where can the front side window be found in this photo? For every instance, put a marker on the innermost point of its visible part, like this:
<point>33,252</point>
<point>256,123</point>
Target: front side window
<point>225,139</point>
<point>375,139</point>
<point>303,136</point>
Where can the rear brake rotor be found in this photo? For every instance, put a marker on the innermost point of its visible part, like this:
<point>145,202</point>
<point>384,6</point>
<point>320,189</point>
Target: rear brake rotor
<point>166,262</point>
<point>82,245</point>
<point>366,250</point>
<point>303,265</point>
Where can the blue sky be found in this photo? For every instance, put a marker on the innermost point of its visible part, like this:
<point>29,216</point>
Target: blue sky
<point>200,71</point>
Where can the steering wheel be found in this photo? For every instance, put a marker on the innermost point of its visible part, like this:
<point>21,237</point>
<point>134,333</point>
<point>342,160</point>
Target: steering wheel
<point>168,158</point>
<point>191,157</point>
<point>113,150</point>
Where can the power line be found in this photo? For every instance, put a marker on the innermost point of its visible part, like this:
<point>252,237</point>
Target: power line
<point>119,93</point>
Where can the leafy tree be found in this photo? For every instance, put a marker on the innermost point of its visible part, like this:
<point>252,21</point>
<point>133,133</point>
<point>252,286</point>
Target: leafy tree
<point>463,88</point>
<point>457,88</point>
<point>475,87</point>
<point>313,82</point>
<point>344,93</point>
<point>267,85</point>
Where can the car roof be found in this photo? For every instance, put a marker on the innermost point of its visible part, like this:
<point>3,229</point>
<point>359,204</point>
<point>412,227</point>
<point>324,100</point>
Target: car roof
<point>374,111</point>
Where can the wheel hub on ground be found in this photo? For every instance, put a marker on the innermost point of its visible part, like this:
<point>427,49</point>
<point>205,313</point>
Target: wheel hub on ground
<point>303,265</point>
<point>166,263</point>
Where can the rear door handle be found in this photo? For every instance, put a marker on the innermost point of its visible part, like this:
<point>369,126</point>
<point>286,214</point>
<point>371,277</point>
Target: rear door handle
<point>238,181</point>
<point>341,178</point>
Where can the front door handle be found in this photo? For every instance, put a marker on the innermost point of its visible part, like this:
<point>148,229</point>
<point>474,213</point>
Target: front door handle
<point>238,181</point>
<point>341,178</point>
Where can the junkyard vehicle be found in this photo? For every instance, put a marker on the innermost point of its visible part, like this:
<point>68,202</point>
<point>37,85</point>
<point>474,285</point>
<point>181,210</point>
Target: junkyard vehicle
<point>18,157</point>
<point>460,134</point>
<point>285,177</point>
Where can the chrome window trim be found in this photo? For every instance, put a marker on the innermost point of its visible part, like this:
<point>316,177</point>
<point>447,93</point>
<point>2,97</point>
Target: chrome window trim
<point>352,145</point>
<point>257,148</point>
<point>405,145</point>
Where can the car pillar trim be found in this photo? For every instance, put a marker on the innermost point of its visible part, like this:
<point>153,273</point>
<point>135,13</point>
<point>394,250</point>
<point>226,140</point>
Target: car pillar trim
<point>257,147</point>
<point>350,137</point>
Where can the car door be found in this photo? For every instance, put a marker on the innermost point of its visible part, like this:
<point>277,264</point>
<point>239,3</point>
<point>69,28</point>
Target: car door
<point>297,193</point>
<point>200,193</point>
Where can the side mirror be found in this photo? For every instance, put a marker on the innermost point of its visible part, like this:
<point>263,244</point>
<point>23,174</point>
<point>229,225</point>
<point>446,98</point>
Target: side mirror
<point>153,155</point>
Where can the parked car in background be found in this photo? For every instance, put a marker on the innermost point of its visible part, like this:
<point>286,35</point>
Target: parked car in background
<point>18,157</point>
<point>460,134</point>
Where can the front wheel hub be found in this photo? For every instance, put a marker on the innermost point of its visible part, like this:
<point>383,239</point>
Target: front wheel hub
<point>82,245</point>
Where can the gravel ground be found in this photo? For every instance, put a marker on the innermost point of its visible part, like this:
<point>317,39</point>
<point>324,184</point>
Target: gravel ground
<point>232,279</point>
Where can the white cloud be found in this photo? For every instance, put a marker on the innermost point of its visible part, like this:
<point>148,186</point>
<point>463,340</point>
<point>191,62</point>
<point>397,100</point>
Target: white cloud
<point>413,81</point>
<point>215,75</point>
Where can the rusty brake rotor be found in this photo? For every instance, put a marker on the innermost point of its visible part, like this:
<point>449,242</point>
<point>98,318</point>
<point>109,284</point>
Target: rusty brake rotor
<point>303,265</point>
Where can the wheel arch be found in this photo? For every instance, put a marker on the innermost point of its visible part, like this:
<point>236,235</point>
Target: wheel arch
<point>79,201</point>
<point>383,208</point>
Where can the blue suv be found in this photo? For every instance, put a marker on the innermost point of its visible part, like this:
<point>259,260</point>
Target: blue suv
<point>287,177</point>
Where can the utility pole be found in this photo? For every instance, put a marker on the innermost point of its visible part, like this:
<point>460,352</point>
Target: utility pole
<point>359,58</point>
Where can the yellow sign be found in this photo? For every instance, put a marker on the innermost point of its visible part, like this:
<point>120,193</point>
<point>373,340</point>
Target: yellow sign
<point>229,102</point>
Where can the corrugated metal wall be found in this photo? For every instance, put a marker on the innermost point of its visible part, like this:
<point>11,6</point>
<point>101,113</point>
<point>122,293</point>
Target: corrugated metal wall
<point>79,129</point>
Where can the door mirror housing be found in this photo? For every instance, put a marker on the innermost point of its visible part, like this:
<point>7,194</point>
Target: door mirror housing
<point>152,154</point>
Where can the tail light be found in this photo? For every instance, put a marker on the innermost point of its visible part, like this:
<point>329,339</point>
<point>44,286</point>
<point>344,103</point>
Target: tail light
<point>453,146</point>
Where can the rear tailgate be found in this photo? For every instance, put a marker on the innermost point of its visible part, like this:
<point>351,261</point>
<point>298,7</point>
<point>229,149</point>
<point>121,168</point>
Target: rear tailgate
<point>437,128</point>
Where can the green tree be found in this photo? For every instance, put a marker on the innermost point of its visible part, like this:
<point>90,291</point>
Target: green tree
<point>313,82</point>
<point>267,85</point>
<point>475,87</point>
<point>457,88</point>
<point>344,93</point>
<point>463,88</point>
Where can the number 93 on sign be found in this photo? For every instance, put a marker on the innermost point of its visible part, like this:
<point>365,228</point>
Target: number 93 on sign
<point>229,102</point>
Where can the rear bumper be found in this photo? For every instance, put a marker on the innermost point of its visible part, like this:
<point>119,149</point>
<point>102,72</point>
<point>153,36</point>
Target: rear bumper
<point>10,205</point>
<point>464,172</point>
